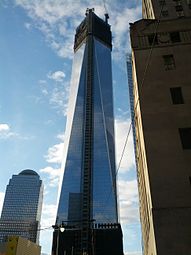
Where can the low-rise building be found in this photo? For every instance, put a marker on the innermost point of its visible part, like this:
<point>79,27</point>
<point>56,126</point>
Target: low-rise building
<point>17,245</point>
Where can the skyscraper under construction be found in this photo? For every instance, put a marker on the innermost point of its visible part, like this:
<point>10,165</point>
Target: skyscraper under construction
<point>87,206</point>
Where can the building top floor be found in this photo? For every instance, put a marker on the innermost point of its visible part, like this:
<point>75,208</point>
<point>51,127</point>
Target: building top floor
<point>166,9</point>
<point>147,33</point>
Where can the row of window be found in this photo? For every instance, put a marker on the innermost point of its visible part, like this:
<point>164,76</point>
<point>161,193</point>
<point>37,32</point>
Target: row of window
<point>178,7</point>
<point>185,133</point>
<point>174,37</point>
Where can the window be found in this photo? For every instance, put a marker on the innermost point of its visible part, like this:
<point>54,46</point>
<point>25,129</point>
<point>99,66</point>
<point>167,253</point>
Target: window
<point>180,14</point>
<point>179,8</point>
<point>162,2</point>
<point>178,2</point>
<point>189,3</point>
<point>165,13</point>
<point>175,37</point>
<point>176,95</point>
<point>185,136</point>
<point>169,62</point>
<point>153,39</point>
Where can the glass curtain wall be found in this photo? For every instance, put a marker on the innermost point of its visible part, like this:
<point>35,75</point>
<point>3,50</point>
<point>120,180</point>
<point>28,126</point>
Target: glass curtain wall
<point>103,177</point>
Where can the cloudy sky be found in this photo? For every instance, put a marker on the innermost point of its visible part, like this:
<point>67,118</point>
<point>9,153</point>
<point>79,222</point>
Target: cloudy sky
<point>36,52</point>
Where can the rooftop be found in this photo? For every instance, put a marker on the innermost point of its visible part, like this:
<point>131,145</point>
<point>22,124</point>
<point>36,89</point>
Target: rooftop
<point>28,172</point>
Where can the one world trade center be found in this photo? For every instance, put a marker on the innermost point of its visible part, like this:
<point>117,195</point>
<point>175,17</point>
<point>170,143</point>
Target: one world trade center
<point>87,209</point>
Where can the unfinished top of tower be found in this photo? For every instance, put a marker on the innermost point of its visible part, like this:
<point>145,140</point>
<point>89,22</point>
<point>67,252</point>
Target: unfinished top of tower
<point>92,25</point>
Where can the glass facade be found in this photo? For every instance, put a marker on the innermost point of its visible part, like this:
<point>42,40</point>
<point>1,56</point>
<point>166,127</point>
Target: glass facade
<point>91,101</point>
<point>22,206</point>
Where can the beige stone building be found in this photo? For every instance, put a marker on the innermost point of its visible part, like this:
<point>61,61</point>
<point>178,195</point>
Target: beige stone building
<point>19,246</point>
<point>161,67</point>
<point>166,9</point>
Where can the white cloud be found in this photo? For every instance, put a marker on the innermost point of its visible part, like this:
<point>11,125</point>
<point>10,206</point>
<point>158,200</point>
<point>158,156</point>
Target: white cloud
<point>57,20</point>
<point>61,136</point>
<point>55,153</point>
<point>28,25</point>
<point>121,131</point>
<point>2,195</point>
<point>48,216</point>
<point>6,133</point>
<point>42,81</point>
<point>120,27</point>
<point>57,76</point>
<point>59,99</point>
<point>4,127</point>
<point>128,201</point>
<point>57,93</point>
<point>128,191</point>
<point>54,156</point>
<point>53,175</point>
<point>48,219</point>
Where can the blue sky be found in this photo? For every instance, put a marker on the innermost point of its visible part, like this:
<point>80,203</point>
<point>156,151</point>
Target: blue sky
<point>36,52</point>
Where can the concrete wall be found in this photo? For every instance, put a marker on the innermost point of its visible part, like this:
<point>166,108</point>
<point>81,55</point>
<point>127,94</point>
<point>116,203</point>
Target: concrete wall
<point>163,165</point>
<point>153,9</point>
<point>21,246</point>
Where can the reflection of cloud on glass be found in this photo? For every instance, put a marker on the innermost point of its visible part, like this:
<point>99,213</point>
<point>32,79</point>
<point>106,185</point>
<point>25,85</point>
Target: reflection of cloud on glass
<point>78,58</point>
<point>100,218</point>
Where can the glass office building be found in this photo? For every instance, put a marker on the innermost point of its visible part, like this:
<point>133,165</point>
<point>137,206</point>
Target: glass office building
<point>22,207</point>
<point>88,191</point>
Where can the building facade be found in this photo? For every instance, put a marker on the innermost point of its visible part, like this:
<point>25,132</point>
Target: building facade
<point>88,197</point>
<point>161,65</point>
<point>166,9</point>
<point>16,245</point>
<point>22,207</point>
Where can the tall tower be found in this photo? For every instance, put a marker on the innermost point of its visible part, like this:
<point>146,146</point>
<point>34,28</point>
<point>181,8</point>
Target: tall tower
<point>161,65</point>
<point>88,197</point>
<point>22,207</point>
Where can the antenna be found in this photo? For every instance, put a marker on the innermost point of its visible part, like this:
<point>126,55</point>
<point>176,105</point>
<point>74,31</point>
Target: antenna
<point>106,12</point>
<point>104,4</point>
<point>106,17</point>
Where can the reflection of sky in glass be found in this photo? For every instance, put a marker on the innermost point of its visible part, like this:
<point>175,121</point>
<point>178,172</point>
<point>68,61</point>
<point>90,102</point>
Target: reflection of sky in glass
<point>72,174</point>
<point>104,197</point>
<point>104,186</point>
